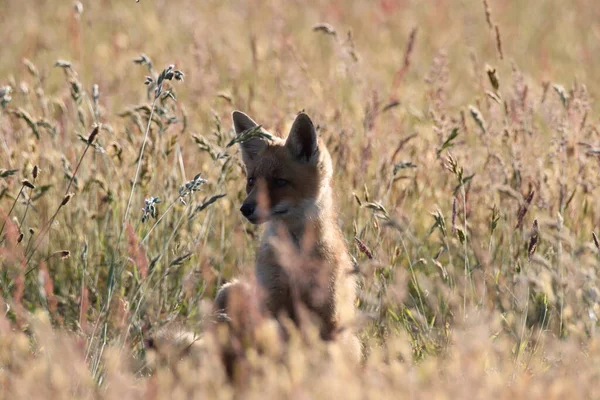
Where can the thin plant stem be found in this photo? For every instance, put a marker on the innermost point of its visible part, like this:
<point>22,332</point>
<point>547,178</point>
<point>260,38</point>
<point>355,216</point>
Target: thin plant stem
<point>110,288</point>
<point>12,208</point>
<point>28,244</point>
<point>40,237</point>
<point>137,169</point>
<point>468,278</point>
<point>77,169</point>
<point>561,273</point>
<point>27,207</point>
<point>47,227</point>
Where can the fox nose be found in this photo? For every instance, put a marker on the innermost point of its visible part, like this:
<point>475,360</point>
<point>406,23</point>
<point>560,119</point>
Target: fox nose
<point>247,209</point>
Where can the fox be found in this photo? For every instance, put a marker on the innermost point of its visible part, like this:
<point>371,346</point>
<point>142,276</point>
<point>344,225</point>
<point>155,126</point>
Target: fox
<point>303,268</point>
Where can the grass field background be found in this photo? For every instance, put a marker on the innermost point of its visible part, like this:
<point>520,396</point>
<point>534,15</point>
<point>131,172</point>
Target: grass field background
<point>464,136</point>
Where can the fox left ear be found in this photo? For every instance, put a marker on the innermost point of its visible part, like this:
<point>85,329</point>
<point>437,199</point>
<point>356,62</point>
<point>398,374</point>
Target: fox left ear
<point>302,140</point>
<point>253,147</point>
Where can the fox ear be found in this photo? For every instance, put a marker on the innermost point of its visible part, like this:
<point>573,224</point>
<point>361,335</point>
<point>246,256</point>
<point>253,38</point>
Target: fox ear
<point>250,148</point>
<point>302,140</point>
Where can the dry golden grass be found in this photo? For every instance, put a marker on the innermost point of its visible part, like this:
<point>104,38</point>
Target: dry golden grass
<point>466,146</point>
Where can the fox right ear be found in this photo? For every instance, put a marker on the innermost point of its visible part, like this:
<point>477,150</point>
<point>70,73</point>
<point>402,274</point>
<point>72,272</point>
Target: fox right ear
<point>302,140</point>
<point>251,148</point>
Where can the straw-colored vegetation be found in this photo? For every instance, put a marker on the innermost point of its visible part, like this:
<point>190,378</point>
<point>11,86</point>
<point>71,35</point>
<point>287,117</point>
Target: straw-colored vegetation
<point>466,149</point>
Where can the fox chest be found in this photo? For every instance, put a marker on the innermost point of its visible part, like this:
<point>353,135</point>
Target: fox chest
<point>310,283</point>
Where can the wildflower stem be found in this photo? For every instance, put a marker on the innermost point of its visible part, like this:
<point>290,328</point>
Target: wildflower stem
<point>38,241</point>
<point>27,207</point>
<point>76,169</point>
<point>11,208</point>
<point>28,244</point>
<point>468,277</point>
<point>137,170</point>
<point>64,201</point>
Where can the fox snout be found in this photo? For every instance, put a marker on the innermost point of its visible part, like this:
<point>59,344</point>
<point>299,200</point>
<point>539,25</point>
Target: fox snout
<point>256,206</point>
<point>248,209</point>
<point>253,213</point>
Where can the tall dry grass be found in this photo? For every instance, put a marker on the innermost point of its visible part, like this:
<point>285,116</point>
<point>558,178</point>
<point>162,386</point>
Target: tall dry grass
<point>465,141</point>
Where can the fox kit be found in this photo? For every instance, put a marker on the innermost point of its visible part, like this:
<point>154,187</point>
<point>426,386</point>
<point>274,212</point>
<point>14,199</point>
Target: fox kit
<point>303,262</point>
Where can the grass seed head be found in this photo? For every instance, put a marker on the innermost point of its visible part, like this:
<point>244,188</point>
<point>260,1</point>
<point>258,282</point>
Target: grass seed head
<point>190,187</point>
<point>93,135</point>
<point>325,28</point>
<point>95,92</point>
<point>66,199</point>
<point>454,215</point>
<point>61,254</point>
<point>5,95</point>
<point>149,209</point>
<point>476,114</point>
<point>488,14</point>
<point>533,241</point>
<point>523,208</point>
<point>493,77</point>
<point>78,8</point>
<point>27,184</point>
<point>499,42</point>
<point>562,94</point>
<point>363,248</point>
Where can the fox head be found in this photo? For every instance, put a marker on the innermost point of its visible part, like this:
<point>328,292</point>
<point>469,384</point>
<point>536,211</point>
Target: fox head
<point>287,180</point>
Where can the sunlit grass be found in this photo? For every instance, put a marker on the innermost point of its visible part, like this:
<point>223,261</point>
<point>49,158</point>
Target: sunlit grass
<point>465,146</point>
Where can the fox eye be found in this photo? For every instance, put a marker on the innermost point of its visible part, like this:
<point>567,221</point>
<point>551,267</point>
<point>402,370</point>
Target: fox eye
<point>279,182</point>
<point>251,181</point>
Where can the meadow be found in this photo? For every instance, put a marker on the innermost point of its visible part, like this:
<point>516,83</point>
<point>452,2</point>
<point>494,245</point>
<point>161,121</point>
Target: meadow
<point>464,136</point>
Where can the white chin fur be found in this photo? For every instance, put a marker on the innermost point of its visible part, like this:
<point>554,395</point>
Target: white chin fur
<point>304,209</point>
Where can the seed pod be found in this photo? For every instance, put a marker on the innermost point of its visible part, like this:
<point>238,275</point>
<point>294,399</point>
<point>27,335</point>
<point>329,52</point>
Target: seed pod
<point>363,248</point>
<point>66,199</point>
<point>534,239</point>
<point>28,184</point>
<point>493,77</point>
<point>62,254</point>
<point>93,135</point>
<point>523,209</point>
